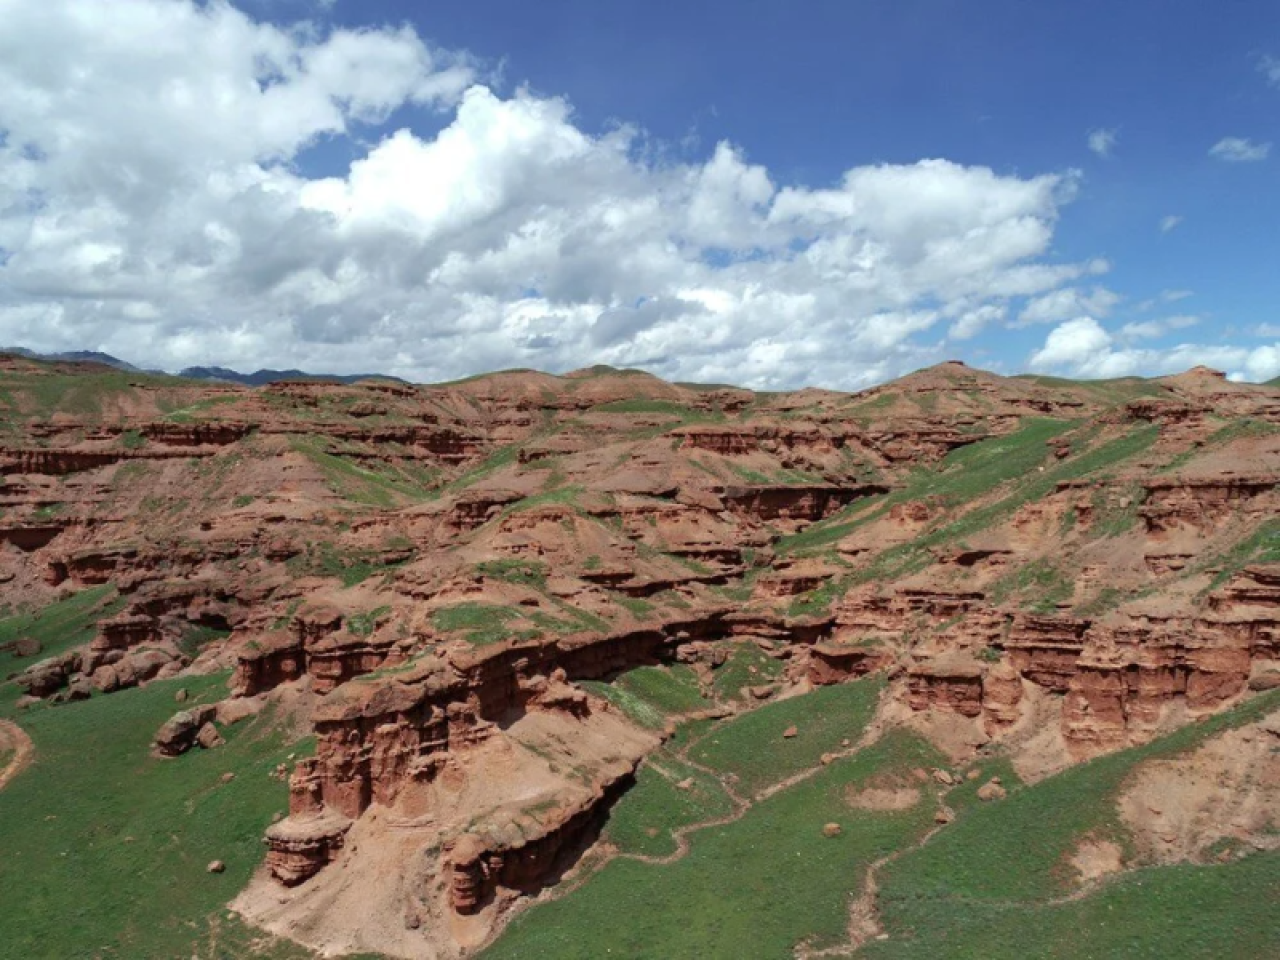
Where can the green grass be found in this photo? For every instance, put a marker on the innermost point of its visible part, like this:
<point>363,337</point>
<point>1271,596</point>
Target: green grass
<point>752,748</point>
<point>640,405</point>
<point>567,495</point>
<point>59,627</point>
<point>751,889</point>
<point>499,458</point>
<point>655,807</point>
<point>1006,859</point>
<point>1231,430</point>
<point>384,487</point>
<point>1221,912</point>
<point>737,672</point>
<point>351,567</point>
<point>1261,546</point>
<point>1039,585</point>
<point>917,554</point>
<point>652,695</point>
<point>1015,850</point>
<point>41,395</point>
<point>530,573</point>
<point>189,413</point>
<point>480,623</point>
<point>105,846</point>
<point>963,475</point>
<point>194,639</point>
<point>363,624</point>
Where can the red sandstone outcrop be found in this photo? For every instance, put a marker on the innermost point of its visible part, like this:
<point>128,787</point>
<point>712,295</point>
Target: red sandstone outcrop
<point>480,547</point>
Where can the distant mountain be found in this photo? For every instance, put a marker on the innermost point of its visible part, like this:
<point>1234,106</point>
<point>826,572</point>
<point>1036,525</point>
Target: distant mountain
<point>75,356</point>
<point>260,377</point>
<point>223,374</point>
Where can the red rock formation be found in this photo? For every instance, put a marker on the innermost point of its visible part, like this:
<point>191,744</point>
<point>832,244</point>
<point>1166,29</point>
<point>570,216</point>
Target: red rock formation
<point>1046,650</point>
<point>30,538</point>
<point>831,663</point>
<point>1201,503</point>
<point>952,682</point>
<point>218,433</point>
<point>521,857</point>
<point>806,502</point>
<point>300,847</point>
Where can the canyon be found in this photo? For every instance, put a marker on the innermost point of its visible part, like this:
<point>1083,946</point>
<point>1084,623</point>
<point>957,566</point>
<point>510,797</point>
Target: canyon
<point>439,585</point>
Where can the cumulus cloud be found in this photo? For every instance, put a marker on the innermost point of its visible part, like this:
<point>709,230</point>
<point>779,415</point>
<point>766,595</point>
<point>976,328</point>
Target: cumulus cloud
<point>1151,329</point>
<point>1270,67</point>
<point>1103,141</point>
<point>1239,150</point>
<point>1082,347</point>
<point>1170,223</point>
<point>159,199</point>
<point>1066,303</point>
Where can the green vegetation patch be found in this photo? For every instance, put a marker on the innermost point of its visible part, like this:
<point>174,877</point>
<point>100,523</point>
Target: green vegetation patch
<point>641,405</point>
<point>382,486</point>
<point>58,627</point>
<point>963,475</point>
<point>363,624</point>
<point>351,567</point>
<point>529,573</point>
<point>753,888</point>
<point>652,695</point>
<point>1188,912</point>
<point>754,749</point>
<point>668,794</point>
<point>1012,856</point>
<point>917,554</point>
<point>105,846</point>
<point>480,623</point>
<point>747,666</point>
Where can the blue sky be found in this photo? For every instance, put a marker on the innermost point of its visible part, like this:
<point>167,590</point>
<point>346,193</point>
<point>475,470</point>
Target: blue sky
<point>1154,121</point>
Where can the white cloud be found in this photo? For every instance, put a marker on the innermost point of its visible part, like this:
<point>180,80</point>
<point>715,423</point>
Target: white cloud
<point>1151,329</point>
<point>1066,303</point>
<point>1239,150</point>
<point>1270,67</point>
<point>155,203</point>
<point>1102,141</point>
<point>1083,348</point>
<point>1170,223</point>
<point>971,322</point>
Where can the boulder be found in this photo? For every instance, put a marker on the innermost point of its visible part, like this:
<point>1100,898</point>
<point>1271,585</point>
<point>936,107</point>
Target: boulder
<point>992,790</point>
<point>238,708</point>
<point>178,735</point>
<point>208,736</point>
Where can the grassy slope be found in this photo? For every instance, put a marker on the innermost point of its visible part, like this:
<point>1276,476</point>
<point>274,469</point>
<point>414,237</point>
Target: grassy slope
<point>104,846</point>
<point>753,888</point>
<point>59,627</point>
<point>752,747</point>
<point>987,886</point>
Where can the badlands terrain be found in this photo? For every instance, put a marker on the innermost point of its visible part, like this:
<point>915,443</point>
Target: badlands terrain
<point>528,666</point>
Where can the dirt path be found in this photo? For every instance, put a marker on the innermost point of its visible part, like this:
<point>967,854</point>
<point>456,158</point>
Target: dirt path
<point>681,835</point>
<point>602,854</point>
<point>13,737</point>
<point>864,917</point>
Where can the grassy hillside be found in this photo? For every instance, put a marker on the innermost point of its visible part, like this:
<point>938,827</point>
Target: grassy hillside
<point>105,846</point>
